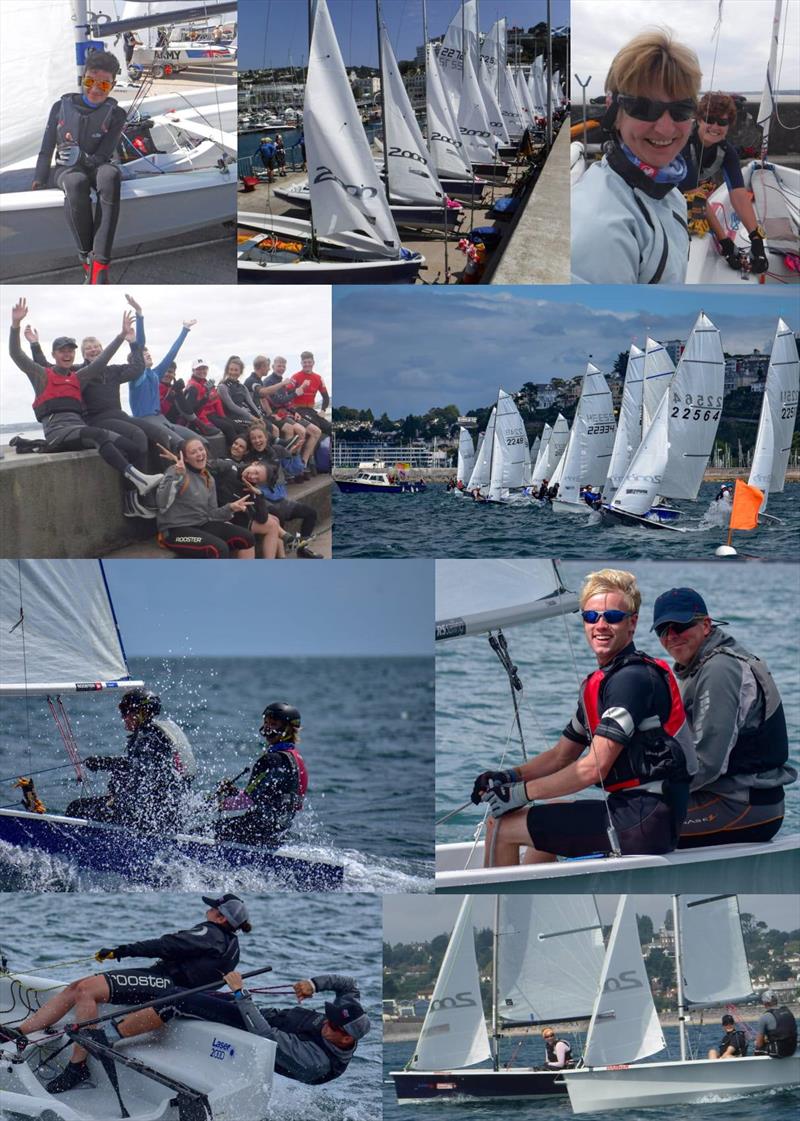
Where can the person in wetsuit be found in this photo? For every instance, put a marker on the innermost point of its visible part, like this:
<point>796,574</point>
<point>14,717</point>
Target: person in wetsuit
<point>83,130</point>
<point>558,1052</point>
<point>640,750</point>
<point>776,1031</point>
<point>733,1044</point>
<point>187,958</point>
<point>146,789</point>
<point>278,782</point>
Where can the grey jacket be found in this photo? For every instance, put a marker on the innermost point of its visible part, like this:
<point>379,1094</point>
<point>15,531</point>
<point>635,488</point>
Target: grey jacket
<point>192,504</point>
<point>721,697</point>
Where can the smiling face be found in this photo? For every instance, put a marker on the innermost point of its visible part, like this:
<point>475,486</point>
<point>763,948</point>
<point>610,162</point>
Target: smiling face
<point>711,132</point>
<point>684,646</point>
<point>608,639</point>
<point>201,372</point>
<point>258,439</point>
<point>195,454</point>
<point>64,357</point>
<point>256,474</point>
<point>239,448</point>
<point>234,369</point>
<point>91,348</point>
<point>656,143</point>
<point>93,93</point>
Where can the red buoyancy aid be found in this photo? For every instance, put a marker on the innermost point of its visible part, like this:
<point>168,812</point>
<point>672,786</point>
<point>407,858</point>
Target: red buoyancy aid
<point>654,754</point>
<point>302,774</point>
<point>208,400</point>
<point>61,394</point>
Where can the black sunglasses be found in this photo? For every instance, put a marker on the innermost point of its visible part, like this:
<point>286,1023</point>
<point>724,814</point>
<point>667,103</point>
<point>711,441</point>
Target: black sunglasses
<point>676,628</point>
<point>722,122</point>
<point>610,616</point>
<point>646,109</point>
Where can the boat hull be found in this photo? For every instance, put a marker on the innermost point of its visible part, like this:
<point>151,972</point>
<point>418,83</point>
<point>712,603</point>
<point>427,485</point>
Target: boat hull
<point>389,488</point>
<point>561,507</point>
<point>659,521</point>
<point>112,848</point>
<point>409,215</point>
<point>479,1085</point>
<point>672,1083</point>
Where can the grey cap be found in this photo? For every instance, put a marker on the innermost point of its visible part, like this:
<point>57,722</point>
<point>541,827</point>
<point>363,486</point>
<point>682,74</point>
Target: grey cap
<point>347,1014</point>
<point>231,907</point>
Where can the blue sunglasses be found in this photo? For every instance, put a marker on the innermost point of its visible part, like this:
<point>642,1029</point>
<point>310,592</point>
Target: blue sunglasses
<point>611,616</point>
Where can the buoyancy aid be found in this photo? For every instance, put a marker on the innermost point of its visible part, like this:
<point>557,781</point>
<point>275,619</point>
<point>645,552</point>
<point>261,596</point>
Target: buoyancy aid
<point>77,124</point>
<point>768,746</point>
<point>552,1054</point>
<point>293,784</point>
<point>307,1025</point>
<point>782,1039</point>
<point>713,170</point>
<point>655,750</point>
<point>208,402</point>
<point>61,394</point>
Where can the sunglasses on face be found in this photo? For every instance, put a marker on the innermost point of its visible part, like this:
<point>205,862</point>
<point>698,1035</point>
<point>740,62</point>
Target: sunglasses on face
<point>646,109</point>
<point>721,122</point>
<point>611,616</point>
<point>95,83</point>
<point>676,628</point>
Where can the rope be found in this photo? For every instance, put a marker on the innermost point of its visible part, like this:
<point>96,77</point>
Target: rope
<point>41,771</point>
<point>59,714</point>
<point>21,623</point>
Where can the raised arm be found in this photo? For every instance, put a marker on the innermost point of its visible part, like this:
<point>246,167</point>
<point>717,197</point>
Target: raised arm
<point>168,358</point>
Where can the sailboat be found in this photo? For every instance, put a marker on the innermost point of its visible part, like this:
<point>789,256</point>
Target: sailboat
<point>629,425</point>
<point>510,460</point>
<point>59,636</point>
<point>352,237</point>
<point>775,189</point>
<point>710,968</point>
<point>591,439</point>
<point>547,959</point>
<point>482,471</point>
<point>553,447</point>
<point>443,136</point>
<point>466,457</point>
<point>175,155</point>
<point>675,448</point>
<point>487,597</point>
<point>777,418</point>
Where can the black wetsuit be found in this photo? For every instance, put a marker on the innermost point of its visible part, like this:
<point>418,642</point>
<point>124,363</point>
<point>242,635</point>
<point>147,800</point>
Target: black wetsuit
<point>736,1040</point>
<point>83,164</point>
<point>276,787</point>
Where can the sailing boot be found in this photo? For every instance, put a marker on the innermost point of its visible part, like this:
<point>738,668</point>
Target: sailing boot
<point>71,1076</point>
<point>99,273</point>
<point>86,262</point>
<point>142,482</point>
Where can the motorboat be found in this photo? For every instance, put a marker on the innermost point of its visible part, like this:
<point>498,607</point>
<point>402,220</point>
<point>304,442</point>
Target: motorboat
<point>375,478</point>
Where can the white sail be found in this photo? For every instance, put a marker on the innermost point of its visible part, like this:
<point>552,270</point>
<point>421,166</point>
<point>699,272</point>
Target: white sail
<point>525,100</point>
<point>537,473</point>
<point>450,59</point>
<point>446,146</point>
<point>535,446</point>
<point>347,195</point>
<point>537,86</point>
<point>483,459</point>
<point>780,400</point>
<point>555,449</point>
<point>629,424</point>
<point>713,957</point>
<point>763,454</point>
<point>643,479</point>
<point>624,1025</point>
<point>695,395</point>
<point>767,105</point>
<point>473,120</point>
<point>658,372</point>
<point>474,596</point>
<point>466,456</point>
<point>550,957</point>
<point>454,1031</point>
<point>68,636</point>
<point>558,470</point>
<point>493,112</point>
<point>412,177</point>
<point>511,461</point>
<point>47,28</point>
<point>590,440</point>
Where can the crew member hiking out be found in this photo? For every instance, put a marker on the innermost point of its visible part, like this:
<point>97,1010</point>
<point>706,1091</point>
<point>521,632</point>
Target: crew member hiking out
<point>278,782</point>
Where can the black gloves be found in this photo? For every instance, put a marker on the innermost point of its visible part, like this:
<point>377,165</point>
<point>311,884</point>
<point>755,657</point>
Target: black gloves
<point>758,256</point>
<point>728,251</point>
<point>489,778</point>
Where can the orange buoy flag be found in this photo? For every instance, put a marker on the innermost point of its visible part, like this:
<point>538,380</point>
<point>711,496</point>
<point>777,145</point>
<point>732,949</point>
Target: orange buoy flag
<point>746,504</point>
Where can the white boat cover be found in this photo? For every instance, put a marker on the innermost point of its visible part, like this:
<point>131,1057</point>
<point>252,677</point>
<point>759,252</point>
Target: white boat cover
<point>347,195</point>
<point>466,456</point>
<point>624,1025</point>
<point>68,634</point>
<point>454,1030</point>
<point>475,596</point>
<point>482,471</point>
<point>713,957</point>
<point>511,461</point>
<point>778,413</point>
<point>412,176</point>
<point>590,440</point>
<point>444,139</point>
<point>549,957</point>
<point>629,425</point>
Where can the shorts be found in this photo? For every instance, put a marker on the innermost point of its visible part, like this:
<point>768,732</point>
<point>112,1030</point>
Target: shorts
<point>644,822</point>
<point>717,819</point>
<point>137,986</point>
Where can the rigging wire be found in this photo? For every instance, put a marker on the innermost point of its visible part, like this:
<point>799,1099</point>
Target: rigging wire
<point>21,623</point>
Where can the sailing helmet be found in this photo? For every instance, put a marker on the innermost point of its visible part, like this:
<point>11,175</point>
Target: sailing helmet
<point>141,701</point>
<point>280,711</point>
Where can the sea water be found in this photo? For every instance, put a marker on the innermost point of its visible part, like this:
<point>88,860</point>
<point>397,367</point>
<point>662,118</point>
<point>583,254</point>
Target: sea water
<point>441,523</point>
<point>474,729</point>
<point>367,740</point>
<point>778,1106</point>
<point>299,936</point>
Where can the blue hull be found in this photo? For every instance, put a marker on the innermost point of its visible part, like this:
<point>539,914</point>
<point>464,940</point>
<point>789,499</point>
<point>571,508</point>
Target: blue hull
<point>390,488</point>
<point>112,848</point>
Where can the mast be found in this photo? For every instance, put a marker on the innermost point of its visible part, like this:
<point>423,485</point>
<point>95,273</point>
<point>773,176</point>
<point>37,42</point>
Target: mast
<point>383,99</point>
<point>425,52</point>
<point>495,1033</point>
<point>312,11</point>
<point>676,930</point>
<point>768,106</point>
<point>549,80</point>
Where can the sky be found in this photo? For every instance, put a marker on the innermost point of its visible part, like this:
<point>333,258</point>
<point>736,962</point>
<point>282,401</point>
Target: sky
<point>342,607</point>
<point>468,342</point>
<point>414,918</point>
<point>270,31</point>
<point>735,59</point>
<point>264,319</point>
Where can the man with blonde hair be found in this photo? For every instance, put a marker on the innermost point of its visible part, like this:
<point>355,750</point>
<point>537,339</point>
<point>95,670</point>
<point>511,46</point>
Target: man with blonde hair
<point>629,223</point>
<point>641,752</point>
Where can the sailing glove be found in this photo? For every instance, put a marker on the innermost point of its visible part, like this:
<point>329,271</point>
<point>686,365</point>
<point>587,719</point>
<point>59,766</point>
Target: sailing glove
<point>487,779</point>
<point>758,256</point>
<point>106,955</point>
<point>502,798</point>
<point>728,251</point>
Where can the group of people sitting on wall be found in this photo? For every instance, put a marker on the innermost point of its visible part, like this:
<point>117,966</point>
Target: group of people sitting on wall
<point>232,449</point>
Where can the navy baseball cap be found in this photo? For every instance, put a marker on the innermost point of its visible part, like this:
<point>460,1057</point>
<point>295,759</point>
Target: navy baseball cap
<point>728,1019</point>
<point>679,605</point>
<point>347,1014</point>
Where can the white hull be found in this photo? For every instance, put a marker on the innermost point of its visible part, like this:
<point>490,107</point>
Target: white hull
<point>561,507</point>
<point>673,1083</point>
<point>726,868</point>
<point>233,1068</point>
<point>414,216</point>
